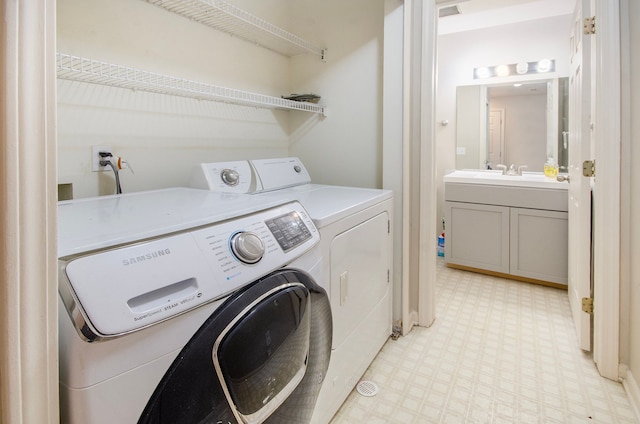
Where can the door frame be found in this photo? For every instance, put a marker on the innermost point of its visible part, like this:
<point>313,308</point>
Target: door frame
<point>28,217</point>
<point>501,126</point>
<point>606,219</point>
<point>606,203</point>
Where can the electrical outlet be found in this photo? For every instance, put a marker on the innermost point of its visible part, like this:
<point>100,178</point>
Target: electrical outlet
<point>95,158</point>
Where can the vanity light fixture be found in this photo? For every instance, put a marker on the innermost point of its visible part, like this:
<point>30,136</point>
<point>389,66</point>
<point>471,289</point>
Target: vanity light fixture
<point>522,68</point>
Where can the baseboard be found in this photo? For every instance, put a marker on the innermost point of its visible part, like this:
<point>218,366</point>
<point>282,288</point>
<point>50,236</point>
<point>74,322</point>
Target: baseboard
<point>633,392</point>
<point>508,276</point>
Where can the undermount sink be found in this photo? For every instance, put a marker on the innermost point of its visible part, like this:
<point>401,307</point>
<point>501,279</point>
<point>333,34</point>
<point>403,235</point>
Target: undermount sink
<point>491,177</point>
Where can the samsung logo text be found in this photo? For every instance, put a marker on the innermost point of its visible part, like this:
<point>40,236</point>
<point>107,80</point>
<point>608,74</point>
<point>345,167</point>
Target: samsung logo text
<point>146,257</point>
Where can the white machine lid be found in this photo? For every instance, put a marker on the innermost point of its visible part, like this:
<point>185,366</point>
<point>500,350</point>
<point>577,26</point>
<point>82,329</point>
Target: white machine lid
<point>327,204</point>
<point>95,223</point>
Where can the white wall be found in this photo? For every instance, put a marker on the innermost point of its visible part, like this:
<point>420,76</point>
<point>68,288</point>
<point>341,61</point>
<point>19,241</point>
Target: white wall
<point>163,137</point>
<point>459,53</point>
<point>347,148</point>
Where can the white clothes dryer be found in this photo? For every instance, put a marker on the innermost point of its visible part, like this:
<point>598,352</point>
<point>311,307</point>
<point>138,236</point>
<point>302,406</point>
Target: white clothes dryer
<point>183,306</point>
<point>356,244</point>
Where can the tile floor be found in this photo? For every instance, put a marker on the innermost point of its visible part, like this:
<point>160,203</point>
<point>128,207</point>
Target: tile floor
<point>499,352</point>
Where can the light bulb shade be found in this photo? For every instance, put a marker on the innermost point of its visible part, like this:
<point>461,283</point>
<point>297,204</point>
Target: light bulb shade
<point>483,72</point>
<point>522,68</point>
<point>544,65</point>
<point>502,70</point>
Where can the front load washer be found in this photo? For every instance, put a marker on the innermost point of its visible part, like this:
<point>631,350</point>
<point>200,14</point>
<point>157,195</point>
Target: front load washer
<point>356,244</point>
<point>185,306</point>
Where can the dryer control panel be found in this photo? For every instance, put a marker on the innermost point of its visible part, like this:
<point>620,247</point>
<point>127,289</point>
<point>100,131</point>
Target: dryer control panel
<point>117,291</point>
<point>226,177</point>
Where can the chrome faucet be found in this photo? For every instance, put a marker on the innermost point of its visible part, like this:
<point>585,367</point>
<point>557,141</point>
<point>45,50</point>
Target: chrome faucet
<point>502,167</point>
<point>512,170</point>
<point>521,168</point>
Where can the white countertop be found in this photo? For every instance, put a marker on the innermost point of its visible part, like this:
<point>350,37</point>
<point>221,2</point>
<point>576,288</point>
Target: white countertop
<point>490,177</point>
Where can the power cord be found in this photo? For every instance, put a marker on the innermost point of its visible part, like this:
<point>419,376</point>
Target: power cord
<point>105,162</point>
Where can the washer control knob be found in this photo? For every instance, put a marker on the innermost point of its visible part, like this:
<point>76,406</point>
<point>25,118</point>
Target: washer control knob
<point>247,247</point>
<point>230,177</point>
<point>297,168</point>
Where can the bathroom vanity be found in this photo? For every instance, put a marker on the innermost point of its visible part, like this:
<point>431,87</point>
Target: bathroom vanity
<point>510,225</point>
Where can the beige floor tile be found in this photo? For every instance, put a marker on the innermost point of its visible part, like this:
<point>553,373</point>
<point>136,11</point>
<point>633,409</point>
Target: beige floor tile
<point>499,351</point>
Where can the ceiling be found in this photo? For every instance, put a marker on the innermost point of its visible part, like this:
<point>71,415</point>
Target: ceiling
<point>477,14</point>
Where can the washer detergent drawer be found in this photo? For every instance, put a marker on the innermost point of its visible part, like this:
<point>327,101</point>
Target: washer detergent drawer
<point>126,289</point>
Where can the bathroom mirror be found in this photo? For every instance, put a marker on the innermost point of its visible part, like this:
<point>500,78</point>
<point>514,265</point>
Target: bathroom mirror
<point>520,123</point>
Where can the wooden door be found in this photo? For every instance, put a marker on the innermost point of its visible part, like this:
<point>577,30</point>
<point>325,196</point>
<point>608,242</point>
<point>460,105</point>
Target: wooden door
<point>579,254</point>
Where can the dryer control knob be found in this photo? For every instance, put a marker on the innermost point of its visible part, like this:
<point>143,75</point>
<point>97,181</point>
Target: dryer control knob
<point>247,247</point>
<point>230,177</point>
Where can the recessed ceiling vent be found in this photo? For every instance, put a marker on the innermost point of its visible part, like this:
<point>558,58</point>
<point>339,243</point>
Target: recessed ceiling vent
<point>449,11</point>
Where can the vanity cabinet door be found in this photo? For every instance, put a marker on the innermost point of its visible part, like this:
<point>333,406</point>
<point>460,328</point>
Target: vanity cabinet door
<point>539,244</point>
<point>477,236</point>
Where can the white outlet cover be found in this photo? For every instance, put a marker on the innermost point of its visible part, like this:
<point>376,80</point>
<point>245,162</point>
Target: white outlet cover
<point>461,150</point>
<point>95,158</point>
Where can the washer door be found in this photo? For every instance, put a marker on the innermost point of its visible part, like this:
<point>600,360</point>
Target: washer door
<point>260,357</point>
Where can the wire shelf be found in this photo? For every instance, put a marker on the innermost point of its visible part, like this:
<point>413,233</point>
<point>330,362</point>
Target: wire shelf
<point>221,15</point>
<point>96,72</point>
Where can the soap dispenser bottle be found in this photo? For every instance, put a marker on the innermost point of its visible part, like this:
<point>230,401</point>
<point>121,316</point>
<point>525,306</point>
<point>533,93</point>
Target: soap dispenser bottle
<point>551,168</point>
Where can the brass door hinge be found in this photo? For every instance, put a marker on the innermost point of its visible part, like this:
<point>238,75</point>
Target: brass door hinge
<point>589,168</point>
<point>587,305</point>
<point>590,25</point>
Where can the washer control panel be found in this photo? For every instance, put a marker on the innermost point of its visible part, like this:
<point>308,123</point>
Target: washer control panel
<point>289,230</point>
<point>121,290</point>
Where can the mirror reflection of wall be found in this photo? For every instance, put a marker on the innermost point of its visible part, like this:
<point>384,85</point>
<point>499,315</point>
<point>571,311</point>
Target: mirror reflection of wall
<point>520,124</point>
